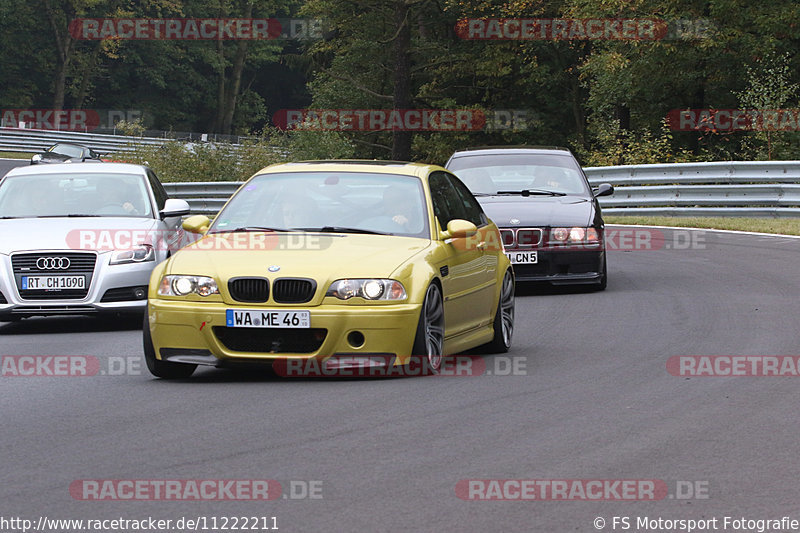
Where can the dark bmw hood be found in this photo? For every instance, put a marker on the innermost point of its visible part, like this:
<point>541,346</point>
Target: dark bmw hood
<point>539,210</point>
<point>53,157</point>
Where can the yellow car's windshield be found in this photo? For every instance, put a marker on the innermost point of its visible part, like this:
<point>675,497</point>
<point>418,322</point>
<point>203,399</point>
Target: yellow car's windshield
<point>347,202</point>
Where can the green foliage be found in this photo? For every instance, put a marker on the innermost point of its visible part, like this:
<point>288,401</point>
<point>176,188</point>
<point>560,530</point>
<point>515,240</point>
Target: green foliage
<point>309,145</point>
<point>179,161</point>
<point>615,146</point>
<point>768,88</point>
<point>605,99</point>
<point>131,129</point>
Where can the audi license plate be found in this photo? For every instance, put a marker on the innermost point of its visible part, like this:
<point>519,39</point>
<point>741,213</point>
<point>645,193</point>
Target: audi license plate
<point>267,318</point>
<point>52,283</point>
<point>523,258</point>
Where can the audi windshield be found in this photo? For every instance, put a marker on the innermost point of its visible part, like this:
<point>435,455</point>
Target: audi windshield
<point>62,195</point>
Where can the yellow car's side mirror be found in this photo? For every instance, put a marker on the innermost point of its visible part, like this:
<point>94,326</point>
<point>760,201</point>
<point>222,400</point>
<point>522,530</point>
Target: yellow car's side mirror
<point>460,229</point>
<point>197,224</point>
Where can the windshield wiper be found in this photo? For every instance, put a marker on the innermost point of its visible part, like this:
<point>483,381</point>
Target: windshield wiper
<point>533,192</point>
<point>343,229</point>
<point>252,228</point>
<point>72,215</point>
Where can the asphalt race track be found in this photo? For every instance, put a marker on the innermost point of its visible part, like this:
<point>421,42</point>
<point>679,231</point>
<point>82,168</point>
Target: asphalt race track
<point>591,400</point>
<point>7,164</point>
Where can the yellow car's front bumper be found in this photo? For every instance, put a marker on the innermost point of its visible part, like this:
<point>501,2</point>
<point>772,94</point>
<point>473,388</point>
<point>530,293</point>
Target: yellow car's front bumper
<point>189,332</point>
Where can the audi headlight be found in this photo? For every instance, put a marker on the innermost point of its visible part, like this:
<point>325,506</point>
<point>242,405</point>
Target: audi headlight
<point>369,289</point>
<point>138,254</point>
<point>185,285</point>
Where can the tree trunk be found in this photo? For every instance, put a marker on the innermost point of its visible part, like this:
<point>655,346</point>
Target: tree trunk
<point>698,102</point>
<point>401,140</point>
<point>220,87</point>
<point>88,70</point>
<point>64,45</point>
<point>236,79</point>
<point>623,114</point>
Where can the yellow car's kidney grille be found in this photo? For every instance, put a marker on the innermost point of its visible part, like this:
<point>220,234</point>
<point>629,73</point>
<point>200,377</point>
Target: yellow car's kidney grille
<point>293,290</point>
<point>271,340</point>
<point>249,290</point>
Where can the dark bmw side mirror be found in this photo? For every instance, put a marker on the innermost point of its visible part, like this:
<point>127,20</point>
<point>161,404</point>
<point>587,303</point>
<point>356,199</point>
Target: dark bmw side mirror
<point>605,189</point>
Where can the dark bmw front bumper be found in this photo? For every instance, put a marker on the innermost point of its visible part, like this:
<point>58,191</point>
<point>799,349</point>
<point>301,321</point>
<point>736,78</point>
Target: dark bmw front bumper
<point>564,267</point>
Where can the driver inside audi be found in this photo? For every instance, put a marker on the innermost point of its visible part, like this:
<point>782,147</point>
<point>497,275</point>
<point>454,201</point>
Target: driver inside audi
<point>111,199</point>
<point>42,202</point>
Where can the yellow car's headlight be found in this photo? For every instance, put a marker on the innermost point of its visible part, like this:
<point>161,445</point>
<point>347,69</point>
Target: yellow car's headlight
<point>185,285</point>
<point>369,289</point>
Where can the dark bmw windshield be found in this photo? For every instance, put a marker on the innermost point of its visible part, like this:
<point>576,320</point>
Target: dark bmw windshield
<point>67,150</point>
<point>489,174</point>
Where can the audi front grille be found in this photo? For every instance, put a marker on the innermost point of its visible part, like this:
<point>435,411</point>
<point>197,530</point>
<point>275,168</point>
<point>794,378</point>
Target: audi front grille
<point>53,264</point>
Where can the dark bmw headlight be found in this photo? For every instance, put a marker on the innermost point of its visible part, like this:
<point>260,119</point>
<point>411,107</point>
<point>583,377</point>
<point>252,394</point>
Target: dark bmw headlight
<point>574,235</point>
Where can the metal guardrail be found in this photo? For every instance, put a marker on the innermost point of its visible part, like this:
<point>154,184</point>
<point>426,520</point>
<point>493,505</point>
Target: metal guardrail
<point>26,140</point>
<point>726,188</point>
<point>205,198</point>
<point>688,173</point>
<point>739,188</point>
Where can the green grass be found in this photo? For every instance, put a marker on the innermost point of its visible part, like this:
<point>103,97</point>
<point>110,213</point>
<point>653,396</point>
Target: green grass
<point>786,226</point>
<point>16,155</point>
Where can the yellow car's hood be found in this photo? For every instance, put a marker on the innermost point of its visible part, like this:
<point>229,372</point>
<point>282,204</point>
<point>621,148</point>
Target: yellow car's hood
<point>321,257</point>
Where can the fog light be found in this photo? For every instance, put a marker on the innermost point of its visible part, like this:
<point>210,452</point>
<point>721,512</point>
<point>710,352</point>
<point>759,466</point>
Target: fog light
<point>355,339</point>
<point>139,293</point>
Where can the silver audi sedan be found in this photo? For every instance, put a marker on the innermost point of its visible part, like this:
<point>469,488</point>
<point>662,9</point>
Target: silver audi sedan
<point>82,238</point>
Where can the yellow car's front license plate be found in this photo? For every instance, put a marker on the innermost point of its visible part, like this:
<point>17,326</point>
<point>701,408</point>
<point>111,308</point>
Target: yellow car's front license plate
<point>267,318</point>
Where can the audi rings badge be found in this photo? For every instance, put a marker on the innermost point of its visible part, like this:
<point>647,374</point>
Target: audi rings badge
<point>52,263</point>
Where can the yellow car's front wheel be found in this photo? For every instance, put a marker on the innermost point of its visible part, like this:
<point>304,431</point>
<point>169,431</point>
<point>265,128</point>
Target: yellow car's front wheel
<point>429,340</point>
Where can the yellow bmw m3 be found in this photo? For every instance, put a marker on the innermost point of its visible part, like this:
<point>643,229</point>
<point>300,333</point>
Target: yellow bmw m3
<point>340,263</point>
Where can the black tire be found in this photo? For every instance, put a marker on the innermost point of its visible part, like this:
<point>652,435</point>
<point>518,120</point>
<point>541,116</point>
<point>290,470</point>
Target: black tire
<point>503,317</point>
<point>429,338</point>
<point>162,369</point>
